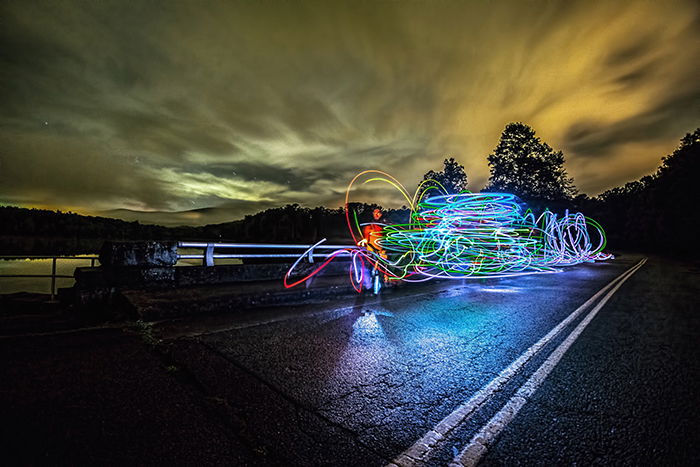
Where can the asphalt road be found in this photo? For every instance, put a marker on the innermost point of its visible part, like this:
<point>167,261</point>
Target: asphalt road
<point>360,383</point>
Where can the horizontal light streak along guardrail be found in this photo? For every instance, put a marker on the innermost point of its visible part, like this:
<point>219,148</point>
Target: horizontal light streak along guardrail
<point>259,245</point>
<point>234,256</point>
<point>46,257</point>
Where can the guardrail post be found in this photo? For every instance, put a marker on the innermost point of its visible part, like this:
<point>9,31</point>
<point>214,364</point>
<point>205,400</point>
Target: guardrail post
<point>53,278</point>
<point>311,255</point>
<point>209,255</point>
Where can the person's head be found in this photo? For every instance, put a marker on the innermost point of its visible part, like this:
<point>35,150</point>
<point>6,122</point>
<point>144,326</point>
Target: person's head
<point>377,214</point>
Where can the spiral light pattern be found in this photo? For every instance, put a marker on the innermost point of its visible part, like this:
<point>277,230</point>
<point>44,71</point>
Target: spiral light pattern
<point>469,235</point>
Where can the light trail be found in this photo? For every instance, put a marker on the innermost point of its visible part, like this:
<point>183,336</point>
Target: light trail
<point>466,235</point>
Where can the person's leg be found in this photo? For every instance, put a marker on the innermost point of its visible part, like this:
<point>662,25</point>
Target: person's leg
<point>384,256</point>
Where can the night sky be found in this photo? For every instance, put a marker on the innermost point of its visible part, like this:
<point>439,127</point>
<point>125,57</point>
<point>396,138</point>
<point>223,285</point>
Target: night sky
<point>220,109</point>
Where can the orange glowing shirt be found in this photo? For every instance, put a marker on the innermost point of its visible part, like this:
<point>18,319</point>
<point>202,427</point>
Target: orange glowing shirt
<point>372,233</point>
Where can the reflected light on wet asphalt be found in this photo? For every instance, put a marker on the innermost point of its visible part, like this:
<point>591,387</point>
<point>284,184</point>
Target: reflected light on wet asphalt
<point>501,290</point>
<point>367,326</point>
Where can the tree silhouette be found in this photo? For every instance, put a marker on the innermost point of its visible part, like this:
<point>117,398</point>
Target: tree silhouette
<point>673,194</point>
<point>685,160</point>
<point>452,177</point>
<point>658,212</point>
<point>525,166</point>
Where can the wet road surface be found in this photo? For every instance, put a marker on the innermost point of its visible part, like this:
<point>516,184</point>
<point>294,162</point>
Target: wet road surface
<point>386,371</point>
<point>360,383</point>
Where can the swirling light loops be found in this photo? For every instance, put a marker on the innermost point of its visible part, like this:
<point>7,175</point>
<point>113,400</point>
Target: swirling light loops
<point>466,235</point>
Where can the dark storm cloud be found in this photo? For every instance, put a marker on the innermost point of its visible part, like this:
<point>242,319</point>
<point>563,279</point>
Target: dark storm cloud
<point>219,109</point>
<point>634,49</point>
<point>63,171</point>
<point>253,171</point>
<point>598,139</point>
<point>168,134</point>
<point>675,104</point>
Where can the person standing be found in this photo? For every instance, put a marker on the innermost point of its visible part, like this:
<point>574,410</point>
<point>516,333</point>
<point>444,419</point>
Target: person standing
<point>371,239</point>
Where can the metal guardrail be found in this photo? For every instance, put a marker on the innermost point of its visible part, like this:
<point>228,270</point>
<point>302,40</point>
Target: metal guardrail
<point>209,254</point>
<point>53,274</point>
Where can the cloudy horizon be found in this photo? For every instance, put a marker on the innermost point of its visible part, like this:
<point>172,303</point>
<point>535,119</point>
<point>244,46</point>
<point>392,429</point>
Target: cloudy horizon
<point>214,110</point>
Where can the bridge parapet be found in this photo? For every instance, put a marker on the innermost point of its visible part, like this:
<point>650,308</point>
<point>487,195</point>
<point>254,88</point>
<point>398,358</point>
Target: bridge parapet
<point>144,266</point>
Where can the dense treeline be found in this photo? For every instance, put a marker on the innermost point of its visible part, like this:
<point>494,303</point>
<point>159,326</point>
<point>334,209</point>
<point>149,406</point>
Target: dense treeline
<point>42,222</point>
<point>659,212</point>
<point>656,213</point>
<point>39,231</point>
<point>289,224</point>
<point>296,224</point>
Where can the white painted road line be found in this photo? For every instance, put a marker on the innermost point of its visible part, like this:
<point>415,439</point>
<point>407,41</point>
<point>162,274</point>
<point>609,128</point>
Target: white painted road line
<point>421,450</point>
<point>477,447</point>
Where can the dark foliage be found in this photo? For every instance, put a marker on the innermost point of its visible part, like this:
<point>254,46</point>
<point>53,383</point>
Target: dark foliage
<point>37,231</point>
<point>40,222</point>
<point>452,177</point>
<point>525,166</point>
<point>288,224</point>
<point>658,212</point>
<point>40,231</point>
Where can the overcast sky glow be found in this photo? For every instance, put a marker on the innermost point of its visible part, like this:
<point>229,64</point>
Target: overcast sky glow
<point>226,108</point>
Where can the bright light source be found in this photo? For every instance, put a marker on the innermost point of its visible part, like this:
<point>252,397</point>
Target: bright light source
<point>467,235</point>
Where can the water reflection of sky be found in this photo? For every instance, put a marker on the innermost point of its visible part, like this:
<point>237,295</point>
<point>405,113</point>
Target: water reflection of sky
<point>38,266</point>
<point>198,262</point>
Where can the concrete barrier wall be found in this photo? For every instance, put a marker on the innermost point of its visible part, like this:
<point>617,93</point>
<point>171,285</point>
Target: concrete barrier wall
<point>143,254</point>
<point>151,265</point>
<point>183,276</point>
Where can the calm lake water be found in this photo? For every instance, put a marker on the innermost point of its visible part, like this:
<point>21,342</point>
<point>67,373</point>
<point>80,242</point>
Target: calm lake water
<point>64,266</point>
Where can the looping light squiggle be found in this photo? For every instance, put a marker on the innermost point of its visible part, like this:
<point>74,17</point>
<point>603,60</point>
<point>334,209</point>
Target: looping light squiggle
<point>468,235</point>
